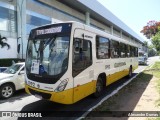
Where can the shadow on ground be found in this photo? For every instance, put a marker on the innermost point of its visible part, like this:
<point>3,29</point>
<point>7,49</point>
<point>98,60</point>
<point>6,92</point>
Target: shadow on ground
<point>18,95</point>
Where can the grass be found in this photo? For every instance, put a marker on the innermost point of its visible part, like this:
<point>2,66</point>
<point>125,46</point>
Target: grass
<point>156,65</point>
<point>156,73</point>
<point>158,85</point>
<point>143,77</point>
<point>153,119</point>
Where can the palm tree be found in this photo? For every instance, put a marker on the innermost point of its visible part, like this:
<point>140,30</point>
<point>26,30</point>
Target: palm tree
<point>2,43</point>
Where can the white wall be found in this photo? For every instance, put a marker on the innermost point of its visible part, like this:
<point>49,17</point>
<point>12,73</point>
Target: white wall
<point>9,53</point>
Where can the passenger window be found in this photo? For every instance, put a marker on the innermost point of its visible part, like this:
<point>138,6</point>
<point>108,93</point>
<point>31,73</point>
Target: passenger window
<point>128,51</point>
<point>102,48</point>
<point>136,52</point>
<point>114,46</point>
<point>122,50</point>
<point>132,51</point>
<point>82,55</point>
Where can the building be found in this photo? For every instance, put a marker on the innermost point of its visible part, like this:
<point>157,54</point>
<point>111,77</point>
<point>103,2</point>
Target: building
<point>18,17</point>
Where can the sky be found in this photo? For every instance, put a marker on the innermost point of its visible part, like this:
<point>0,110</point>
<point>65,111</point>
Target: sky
<point>134,13</point>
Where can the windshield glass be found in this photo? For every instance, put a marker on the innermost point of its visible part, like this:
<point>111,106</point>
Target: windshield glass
<point>12,69</point>
<point>47,56</point>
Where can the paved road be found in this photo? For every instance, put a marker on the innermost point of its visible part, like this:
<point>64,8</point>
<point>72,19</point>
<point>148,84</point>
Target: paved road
<point>23,102</point>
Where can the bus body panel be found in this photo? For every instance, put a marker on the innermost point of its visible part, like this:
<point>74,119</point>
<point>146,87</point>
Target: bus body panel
<point>84,83</point>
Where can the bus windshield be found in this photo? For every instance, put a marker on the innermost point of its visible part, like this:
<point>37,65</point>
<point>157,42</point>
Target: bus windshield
<point>47,56</point>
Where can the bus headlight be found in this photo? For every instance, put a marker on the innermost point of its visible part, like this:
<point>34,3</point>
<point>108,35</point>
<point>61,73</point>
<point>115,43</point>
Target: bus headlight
<point>61,86</point>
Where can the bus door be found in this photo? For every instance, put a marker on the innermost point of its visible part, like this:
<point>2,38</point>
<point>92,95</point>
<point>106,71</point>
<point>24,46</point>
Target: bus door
<point>82,69</point>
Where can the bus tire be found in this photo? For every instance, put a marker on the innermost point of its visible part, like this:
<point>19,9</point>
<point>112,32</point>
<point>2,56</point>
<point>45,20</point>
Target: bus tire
<point>130,72</point>
<point>99,87</point>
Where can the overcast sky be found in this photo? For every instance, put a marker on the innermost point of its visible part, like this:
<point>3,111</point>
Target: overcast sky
<point>134,13</point>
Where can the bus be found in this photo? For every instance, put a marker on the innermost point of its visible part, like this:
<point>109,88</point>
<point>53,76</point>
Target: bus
<point>66,62</point>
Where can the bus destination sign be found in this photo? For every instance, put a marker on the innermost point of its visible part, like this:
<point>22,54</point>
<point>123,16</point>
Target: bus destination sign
<point>49,30</point>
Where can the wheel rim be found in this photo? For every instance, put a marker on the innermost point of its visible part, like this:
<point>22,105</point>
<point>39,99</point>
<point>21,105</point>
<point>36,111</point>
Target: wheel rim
<point>7,91</point>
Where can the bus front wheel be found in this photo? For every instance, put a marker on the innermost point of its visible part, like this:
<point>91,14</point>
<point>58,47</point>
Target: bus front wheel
<point>99,87</point>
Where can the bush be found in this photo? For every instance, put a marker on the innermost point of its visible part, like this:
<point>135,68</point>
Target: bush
<point>8,62</point>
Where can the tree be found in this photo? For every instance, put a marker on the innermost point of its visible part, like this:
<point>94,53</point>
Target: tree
<point>151,29</point>
<point>151,51</point>
<point>2,43</point>
<point>156,41</point>
<point>145,43</point>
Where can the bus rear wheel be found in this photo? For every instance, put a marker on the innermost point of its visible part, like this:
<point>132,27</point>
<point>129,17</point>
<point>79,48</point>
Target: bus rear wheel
<point>130,72</point>
<point>99,87</point>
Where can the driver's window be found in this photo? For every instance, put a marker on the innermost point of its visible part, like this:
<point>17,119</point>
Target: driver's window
<point>82,55</point>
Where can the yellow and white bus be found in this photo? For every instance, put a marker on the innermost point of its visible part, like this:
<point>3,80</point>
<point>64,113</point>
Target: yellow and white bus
<point>66,62</point>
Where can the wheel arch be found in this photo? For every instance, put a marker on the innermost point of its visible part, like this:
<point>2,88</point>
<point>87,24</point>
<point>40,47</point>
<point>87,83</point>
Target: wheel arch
<point>131,67</point>
<point>104,78</point>
<point>11,83</point>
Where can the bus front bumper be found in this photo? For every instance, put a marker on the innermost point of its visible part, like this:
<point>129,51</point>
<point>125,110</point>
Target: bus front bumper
<point>64,97</point>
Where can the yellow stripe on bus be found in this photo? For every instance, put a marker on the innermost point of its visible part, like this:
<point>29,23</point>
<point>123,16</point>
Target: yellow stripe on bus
<point>65,97</point>
<point>116,76</point>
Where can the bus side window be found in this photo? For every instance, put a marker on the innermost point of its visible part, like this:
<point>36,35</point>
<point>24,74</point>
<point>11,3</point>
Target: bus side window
<point>76,49</point>
<point>128,51</point>
<point>82,56</point>
<point>132,51</point>
<point>114,49</point>
<point>102,48</point>
<point>122,49</point>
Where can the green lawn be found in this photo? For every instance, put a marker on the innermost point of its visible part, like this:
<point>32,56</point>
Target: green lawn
<point>156,65</point>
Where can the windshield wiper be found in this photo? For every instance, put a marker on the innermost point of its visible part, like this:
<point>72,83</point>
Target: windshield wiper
<point>50,41</point>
